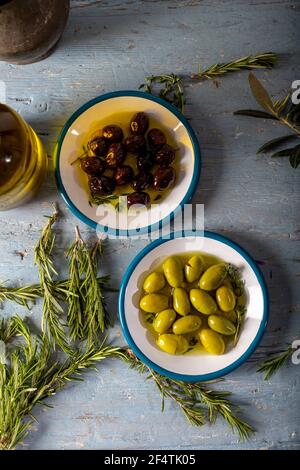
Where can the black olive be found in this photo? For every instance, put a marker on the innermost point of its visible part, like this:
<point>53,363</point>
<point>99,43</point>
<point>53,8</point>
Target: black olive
<point>165,156</point>
<point>139,124</point>
<point>93,166</point>
<point>164,177</point>
<point>138,198</point>
<point>98,146</point>
<point>135,143</point>
<point>145,161</point>
<point>116,155</point>
<point>156,139</point>
<point>112,133</point>
<point>123,175</point>
<point>102,185</point>
<point>142,181</point>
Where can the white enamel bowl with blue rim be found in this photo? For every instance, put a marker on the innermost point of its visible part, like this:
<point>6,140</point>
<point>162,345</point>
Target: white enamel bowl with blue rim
<point>200,367</point>
<point>99,110</point>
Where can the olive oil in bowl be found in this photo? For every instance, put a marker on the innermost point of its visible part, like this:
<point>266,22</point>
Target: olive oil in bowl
<point>23,160</point>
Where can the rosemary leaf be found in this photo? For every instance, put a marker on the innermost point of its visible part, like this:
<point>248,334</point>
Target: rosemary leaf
<point>234,276</point>
<point>272,365</point>
<point>240,311</point>
<point>95,315</point>
<point>259,61</point>
<point>198,403</point>
<point>170,88</point>
<point>75,316</point>
<point>33,374</point>
<point>52,310</point>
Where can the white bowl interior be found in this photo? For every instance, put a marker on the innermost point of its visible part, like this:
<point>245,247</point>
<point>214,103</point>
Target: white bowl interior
<point>101,112</point>
<point>203,363</point>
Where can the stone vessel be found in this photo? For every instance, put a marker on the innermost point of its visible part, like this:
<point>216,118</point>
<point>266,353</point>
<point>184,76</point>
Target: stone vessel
<point>30,29</point>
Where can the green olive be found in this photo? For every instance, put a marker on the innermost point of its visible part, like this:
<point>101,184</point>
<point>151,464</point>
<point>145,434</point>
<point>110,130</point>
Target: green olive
<point>212,341</point>
<point>203,302</point>
<point>181,302</point>
<point>225,298</point>
<point>221,325</point>
<point>167,343</point>
<point>213,277</point>
<point>186,324</point>
<point>163,321</point>
<point>154,303</point>
<point>173,271</point>
<point>183,345</point>
<point>229,315</point>
<point>193,268</point>
<point>154,282</point>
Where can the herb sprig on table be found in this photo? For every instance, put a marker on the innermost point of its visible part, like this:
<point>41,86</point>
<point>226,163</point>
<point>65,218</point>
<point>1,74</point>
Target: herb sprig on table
<point>198,402</point>
<point>284,112</point>
<point>31,371</point>
<point>170,87</point>
<point>274,363</point>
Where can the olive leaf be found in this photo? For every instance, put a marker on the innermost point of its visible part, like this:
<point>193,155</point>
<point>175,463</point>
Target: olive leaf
<point>254,113</point>
<point>293,153</point>
<point>272,144</point>
<point>284,112</point>
<point>260,94</point>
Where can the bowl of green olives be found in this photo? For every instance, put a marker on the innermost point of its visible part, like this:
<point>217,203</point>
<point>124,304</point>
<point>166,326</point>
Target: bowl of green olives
<point>193,308</point>
<point>127,152</point>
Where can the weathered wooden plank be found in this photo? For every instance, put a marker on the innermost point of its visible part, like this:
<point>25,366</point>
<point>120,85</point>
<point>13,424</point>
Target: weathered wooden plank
<point>110,45</point>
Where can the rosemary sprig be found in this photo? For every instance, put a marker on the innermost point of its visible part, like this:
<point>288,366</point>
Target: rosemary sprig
<point>33,374</point>
<point>110,199</point>
<point>260,61</point>
<point>198,403</point>
<point>52,310</point>
<point>170,88</point>
<point>95,315</point>
<point>234,276</point>
<point>284,112</point>
<point>25,295</point>
<point>240,311</point>
<point>75,315</point>
<point>272,365</point>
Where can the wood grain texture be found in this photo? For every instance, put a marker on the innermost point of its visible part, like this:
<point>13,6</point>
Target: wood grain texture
<point>111,45</point>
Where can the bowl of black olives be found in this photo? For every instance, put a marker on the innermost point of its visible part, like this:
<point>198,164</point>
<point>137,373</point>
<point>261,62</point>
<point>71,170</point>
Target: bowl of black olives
<point>126,162</point>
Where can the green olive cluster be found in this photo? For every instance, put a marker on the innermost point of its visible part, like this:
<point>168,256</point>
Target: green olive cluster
<point>107,167</point>
<point>187,299</point>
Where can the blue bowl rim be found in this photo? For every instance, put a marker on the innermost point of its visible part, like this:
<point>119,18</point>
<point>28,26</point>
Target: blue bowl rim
<point>218,373</point>
<point>192,187</point>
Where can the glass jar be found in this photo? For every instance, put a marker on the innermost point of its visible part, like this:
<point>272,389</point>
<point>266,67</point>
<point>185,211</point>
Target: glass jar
<point>23,160</point>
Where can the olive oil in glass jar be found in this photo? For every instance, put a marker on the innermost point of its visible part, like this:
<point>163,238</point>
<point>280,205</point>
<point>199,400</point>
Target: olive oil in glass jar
<point>23,160</point>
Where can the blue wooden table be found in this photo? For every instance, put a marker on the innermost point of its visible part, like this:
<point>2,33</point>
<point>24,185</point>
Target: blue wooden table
<point>111,45</point>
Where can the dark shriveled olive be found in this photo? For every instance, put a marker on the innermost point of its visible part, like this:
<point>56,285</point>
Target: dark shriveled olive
<point>98,146</point>
<point>156,139</point>
<point>135,143</point>
<point>93,166</point>
<point>102,185</point>
<point>116,155</point>
<point>145,161</point>
<point>123,175</point>
<point>138,198</point>
<point>165,156</point>
<point>139,124</point>
<point>142,181</point>
<point>164,178</point>
<point>112,133</point>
